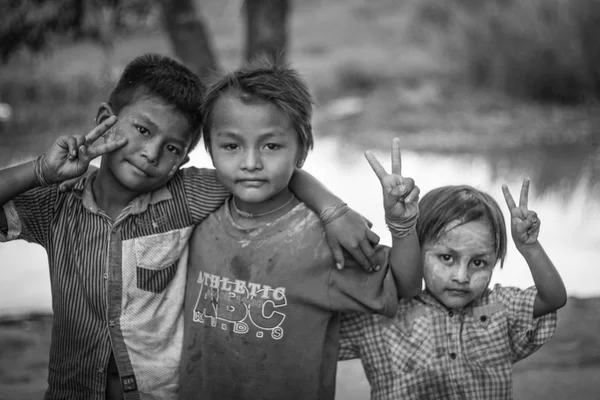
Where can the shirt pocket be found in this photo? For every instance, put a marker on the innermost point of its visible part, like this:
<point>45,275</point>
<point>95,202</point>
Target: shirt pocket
<point>487,337</point>
<point>157,259</point>
<point>409,345</point>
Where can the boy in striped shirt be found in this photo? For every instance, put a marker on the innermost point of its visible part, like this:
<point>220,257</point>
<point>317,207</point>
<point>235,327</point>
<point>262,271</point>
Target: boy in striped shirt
<point>115,241</point>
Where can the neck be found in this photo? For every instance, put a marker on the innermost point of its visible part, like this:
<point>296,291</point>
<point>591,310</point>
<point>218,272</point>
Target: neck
<point>259,213</point>
<point>110,195</point>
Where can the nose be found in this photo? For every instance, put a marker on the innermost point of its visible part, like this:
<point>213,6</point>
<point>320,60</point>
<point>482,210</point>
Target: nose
<point>151,151</point>
<point>252,160</point>
<point>461,273</point>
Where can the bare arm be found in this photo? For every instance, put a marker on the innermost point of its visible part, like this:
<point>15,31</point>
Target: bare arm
<point>525,227</point>
<point>14,181</point>
<point>348,230</point>
<point>400,202</point>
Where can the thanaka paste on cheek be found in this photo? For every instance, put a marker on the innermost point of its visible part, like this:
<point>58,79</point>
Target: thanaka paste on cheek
<point>480,281</point>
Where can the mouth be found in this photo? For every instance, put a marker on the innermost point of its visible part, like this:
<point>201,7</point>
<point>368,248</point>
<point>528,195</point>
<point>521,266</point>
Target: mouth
<point>457,292</point>
<point>139,170</point>
<point>251,182</point>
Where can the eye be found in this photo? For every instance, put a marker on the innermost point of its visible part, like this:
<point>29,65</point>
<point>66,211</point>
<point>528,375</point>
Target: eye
<point>447,258</point>
<point>479,263</point>
<point>143,131</point>
<point>272,146</point>
<point>230,146</point>
<point>173,150</point>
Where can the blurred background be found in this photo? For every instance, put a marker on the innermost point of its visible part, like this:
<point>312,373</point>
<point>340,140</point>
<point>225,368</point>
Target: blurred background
<point>481,92</point>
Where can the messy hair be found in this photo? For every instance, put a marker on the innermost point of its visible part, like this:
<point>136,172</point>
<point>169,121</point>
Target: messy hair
<point>270,81</point>
<point>465,204</point>
<point>163,77</point>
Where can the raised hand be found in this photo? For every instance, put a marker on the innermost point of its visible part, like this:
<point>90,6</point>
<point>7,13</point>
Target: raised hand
<point>70,156</point>
<point>400,195</point>
<point>524,223</point>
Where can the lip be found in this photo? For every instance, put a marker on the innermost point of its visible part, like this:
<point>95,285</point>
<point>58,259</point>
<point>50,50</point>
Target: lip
<point>457,292</point>
<point>139,170</point>
<point>251,182</point>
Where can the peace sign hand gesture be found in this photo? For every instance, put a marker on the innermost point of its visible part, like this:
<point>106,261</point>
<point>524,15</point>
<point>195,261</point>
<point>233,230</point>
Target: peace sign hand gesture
<point>400,195</point>
<point>524,223</point>
<point>70,156</point>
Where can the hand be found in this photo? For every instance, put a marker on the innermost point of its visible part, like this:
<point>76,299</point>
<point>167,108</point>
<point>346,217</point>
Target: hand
<point>352,232</point>
<point>70,156</point>
<point>524,223</point>
<point>400,195</point>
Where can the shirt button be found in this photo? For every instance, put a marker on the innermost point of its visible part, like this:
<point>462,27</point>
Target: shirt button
<point>451,314</point>
<point>111,323</point>
<point>100,370</point>
<point>453,356</point>
<point>105,275</point>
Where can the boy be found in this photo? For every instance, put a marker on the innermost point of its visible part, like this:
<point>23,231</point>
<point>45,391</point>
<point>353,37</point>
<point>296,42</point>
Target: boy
<point>458,339</point>
<point>114,242</point>
<point>263,296</point>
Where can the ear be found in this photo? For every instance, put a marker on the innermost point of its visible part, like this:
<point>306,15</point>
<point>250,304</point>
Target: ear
<point>186,159</point>
<point>301,158</point>
<point>104,111</point>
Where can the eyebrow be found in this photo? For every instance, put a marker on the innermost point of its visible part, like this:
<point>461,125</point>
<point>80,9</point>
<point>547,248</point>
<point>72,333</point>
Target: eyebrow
<point>146,119</point>
<point>266,135</point>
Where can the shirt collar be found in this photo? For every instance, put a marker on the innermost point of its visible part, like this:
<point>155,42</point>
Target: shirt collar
<point>83,190</point>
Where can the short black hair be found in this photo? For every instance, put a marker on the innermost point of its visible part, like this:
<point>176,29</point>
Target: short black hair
<point>463,203</point>
<point>270,81</point>
<point>163,77</point>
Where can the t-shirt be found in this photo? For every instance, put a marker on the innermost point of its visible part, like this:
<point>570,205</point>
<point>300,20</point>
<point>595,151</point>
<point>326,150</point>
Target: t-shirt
<point>116,285</point>
<point>430,352</point>
<point>262,308</point>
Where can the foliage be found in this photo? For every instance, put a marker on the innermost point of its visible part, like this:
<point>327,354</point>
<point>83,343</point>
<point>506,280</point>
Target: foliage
<point>539,49</point>
<point>32,24</point>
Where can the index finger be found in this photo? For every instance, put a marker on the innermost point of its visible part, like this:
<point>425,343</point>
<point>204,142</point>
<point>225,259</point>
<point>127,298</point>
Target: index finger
<point>524,193</point>
<point>377,167</point>
<point>396,158</point>
<point>100,129</point>
<point>510,202</point>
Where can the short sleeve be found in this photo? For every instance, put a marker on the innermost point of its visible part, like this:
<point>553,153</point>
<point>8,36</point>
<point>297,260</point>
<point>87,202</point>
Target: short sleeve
<point>527,334</point>
<point>354,289</point>
<point>351,330</point>
<point>29,215</point>
<point>204,192</point>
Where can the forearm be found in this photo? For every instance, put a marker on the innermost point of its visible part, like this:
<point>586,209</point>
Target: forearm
<point>310,191</point>
<point>405,264</point>
<point>552,294</point>
<point>14,181</point>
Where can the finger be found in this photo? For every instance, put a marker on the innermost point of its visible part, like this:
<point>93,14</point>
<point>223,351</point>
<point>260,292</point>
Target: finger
<point>71,148</point>
<point>358,255</point>
<point>369,253</point>
<point>379,170</point>
<point>338,256</point>
<point>373,238</point>
<point>100,129</point>
<point>396,157</point>
<point>108,147</point>
<point>510,202</point>
<point>413,196</point>
<point>524,193</point>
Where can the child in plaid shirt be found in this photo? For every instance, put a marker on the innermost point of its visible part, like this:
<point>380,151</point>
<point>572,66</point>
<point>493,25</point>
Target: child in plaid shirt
<point>458,339</point>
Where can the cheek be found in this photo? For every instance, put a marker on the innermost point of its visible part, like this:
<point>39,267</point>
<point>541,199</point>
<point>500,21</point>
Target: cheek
<point>435,275</point>
<point>481,279</point>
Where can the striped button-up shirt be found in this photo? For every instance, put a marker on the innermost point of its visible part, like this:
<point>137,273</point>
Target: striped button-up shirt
<point>116,285</point>
<point>430,352</point>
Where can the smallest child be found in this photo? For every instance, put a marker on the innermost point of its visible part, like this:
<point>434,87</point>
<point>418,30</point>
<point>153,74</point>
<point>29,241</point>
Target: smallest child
<point>458,339</point>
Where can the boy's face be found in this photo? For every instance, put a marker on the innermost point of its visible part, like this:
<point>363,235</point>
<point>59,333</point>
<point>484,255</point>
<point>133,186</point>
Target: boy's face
<point>255,151</point>
<point>458,266</point>
<point>158,140</point>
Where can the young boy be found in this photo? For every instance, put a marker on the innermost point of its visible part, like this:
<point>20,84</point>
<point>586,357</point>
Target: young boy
<point>458,339</point>
<point>262,298</point>
<point>114,242</point>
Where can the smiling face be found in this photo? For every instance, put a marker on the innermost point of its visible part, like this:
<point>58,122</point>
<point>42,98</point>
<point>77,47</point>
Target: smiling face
<point>458,265</point>
<point>158,139</point>
<point>255,151</point>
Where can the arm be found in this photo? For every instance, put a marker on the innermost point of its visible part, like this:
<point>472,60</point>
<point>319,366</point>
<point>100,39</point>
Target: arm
<point>68,158</point>
<point>400,201</point>
<point>344,227</point>
<point>525,227</point>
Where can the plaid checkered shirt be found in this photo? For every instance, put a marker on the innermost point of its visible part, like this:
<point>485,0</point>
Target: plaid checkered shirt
<point>431,352</point>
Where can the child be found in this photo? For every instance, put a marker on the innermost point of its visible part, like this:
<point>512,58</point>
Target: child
<point>262,299</point>
<point>114,242</point>
<point>458,339</point>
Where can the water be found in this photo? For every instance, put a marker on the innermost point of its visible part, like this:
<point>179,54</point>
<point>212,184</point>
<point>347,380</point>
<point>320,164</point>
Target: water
<point>569,209</point>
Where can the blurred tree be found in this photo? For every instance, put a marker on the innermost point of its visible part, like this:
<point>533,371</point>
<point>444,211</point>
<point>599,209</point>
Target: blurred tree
<point>266,28</point>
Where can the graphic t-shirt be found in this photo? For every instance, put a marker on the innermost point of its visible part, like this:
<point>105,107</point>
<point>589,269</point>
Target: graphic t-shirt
<point>261,314</point>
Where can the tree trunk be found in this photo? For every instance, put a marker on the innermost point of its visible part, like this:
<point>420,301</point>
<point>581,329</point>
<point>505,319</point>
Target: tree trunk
<point>266,33</point>
<point>189,36</point>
